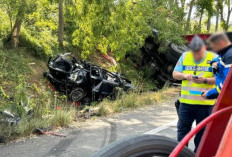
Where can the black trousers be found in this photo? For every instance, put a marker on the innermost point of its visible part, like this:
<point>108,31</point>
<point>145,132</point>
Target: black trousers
<point>187,115</point>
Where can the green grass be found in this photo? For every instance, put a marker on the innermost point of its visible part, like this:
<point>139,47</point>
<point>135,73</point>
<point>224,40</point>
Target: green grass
<point>27,126</point>
<point>22,87</point>
<point>133,100</point>
<point>12,64</point>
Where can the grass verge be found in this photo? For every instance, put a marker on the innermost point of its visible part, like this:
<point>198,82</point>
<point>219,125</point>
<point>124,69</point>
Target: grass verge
<point>134,100</point>
<point>22,89</point>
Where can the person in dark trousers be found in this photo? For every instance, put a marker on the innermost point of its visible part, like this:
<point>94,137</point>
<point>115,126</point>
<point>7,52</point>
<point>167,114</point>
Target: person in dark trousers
<point>195,71</point>
<point>220,44</point>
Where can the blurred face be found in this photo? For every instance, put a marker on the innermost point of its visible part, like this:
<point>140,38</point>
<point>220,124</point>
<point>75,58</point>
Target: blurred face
<point>199,55</point>
<point>217,46</point>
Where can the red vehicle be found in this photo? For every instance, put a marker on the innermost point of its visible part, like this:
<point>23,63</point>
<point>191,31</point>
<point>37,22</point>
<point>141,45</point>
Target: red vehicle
<point>204,36</point>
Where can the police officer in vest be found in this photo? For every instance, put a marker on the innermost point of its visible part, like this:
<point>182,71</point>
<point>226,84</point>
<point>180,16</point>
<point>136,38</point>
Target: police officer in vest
<point>220,44</point>
<point>195,71</point>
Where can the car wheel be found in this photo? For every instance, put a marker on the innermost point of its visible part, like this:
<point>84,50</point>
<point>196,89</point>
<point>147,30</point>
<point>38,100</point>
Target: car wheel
<point>161,81</point>
<point>178,50</point>
<point>77,94</point>
<point>170,58</point>
<point>143,146</point>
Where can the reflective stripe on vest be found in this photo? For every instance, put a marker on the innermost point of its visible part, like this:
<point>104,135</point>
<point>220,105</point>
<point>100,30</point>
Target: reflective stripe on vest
<point>190,91</point>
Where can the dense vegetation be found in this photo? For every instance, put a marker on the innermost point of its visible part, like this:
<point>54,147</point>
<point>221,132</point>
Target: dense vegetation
<point>30,31</point>
<point>104,26</point>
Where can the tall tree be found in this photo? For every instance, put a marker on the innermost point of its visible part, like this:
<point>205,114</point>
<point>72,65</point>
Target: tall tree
<point>228,2</point>
<point>191,4</point>
<point>14,37</point>
<point>182,3</point>
<point>201,6</point>
<point>225,21</point>
<point>11,7</point>
<point>217,15</point>
<point>221,11</point>
<point>210,11</point>
<point>61,24</point>
<point>208,23</point>
<point>200,20</point>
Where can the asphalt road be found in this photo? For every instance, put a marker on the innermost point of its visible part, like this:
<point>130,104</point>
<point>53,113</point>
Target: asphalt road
<point>88,137</point>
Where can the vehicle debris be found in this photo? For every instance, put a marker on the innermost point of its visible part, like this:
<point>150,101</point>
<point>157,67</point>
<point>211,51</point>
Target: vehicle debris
<point>8,118</point>
<point>41,131</point>
<point>81,81</point>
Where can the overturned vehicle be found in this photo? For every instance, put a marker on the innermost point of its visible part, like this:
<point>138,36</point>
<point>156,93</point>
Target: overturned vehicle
<point>162,64</point>
<point>82,81</point>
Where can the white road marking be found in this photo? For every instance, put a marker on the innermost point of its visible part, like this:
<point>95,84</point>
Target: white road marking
<point>161,128</point>
<point>158,129</point>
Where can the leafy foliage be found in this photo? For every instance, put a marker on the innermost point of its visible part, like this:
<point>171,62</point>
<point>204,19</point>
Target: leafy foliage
<point>105,26</point>
<point>122,26</point>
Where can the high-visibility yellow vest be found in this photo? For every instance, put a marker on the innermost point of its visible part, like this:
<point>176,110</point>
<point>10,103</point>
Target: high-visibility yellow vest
<point>190,91</point>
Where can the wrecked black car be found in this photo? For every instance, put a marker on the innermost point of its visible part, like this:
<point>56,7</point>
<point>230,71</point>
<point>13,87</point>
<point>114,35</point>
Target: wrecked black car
<point>82,81</point>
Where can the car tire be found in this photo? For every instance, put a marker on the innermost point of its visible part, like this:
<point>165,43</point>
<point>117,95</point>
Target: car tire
<point>77,94</point>
<point>143,146</point>
<point>161,79</point>
<point>178,50</point>
<point>170,58</point>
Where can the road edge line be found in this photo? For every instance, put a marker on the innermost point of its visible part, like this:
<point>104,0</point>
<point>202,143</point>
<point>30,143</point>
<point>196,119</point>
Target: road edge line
<point>158,129</point>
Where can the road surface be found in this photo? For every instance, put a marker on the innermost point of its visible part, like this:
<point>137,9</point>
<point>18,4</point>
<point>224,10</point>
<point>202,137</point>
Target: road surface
<point>88,137</point>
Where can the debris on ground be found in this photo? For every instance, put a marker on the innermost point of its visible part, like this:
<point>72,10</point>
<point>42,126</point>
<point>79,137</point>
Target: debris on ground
<point>44,131</point>
<point>7,117</point>
<point>82,81</point>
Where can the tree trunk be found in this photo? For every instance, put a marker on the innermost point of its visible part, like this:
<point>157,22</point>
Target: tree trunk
<point>208,23</point>
<point>16,32</point>
<point>217,18</point>
<point>61,24</point>
<point>227,22</point>
<point>14,38</point>
<point>189,16</point>
<point>228,17</point>
<point>182,4</point>
<point>200,20</point>
<point>221,7</point>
